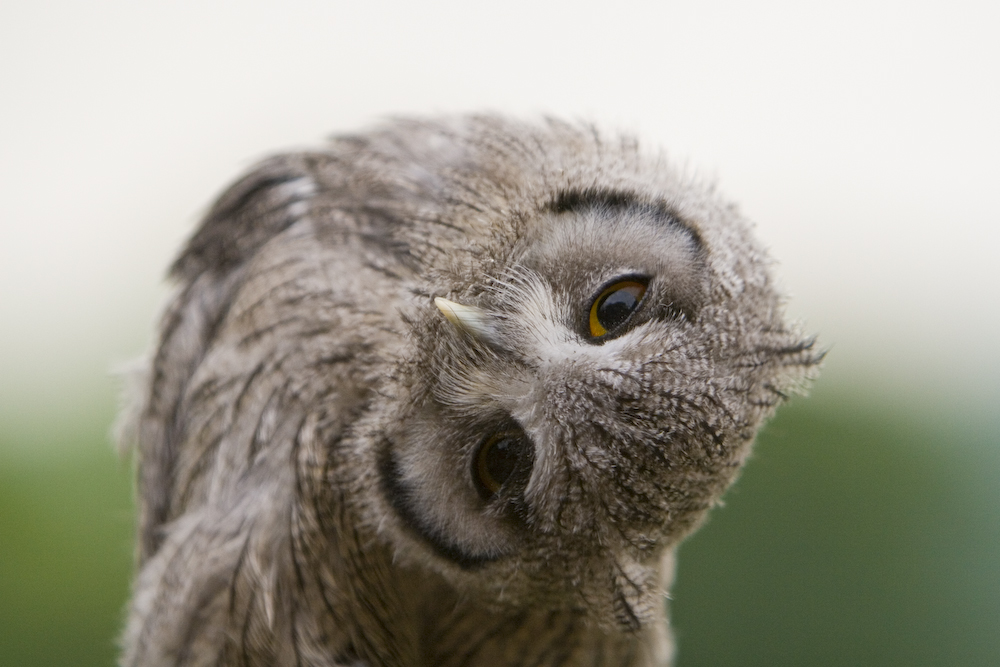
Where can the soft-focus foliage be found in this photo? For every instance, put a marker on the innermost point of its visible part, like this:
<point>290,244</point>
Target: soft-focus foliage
<point>860,534</point>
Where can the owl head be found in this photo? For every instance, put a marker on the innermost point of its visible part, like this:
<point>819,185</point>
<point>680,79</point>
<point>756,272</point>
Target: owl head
<point>583,371</point>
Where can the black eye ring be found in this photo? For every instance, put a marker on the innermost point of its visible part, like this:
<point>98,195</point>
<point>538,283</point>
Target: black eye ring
<point>615,304</point>
<point>497,458</point>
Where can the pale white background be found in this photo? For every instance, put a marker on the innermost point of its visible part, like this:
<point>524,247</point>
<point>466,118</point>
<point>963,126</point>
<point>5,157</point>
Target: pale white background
<point>862,137</point>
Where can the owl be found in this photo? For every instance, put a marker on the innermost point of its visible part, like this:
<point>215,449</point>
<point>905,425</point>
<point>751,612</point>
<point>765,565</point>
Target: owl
<point>447,392</point>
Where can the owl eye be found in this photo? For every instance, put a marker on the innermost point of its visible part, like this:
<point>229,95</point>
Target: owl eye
<point>497,459</point>
<point>614,305</point>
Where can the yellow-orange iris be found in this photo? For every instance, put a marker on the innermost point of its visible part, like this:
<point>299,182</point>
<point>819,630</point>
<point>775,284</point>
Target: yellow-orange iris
<point>496,459</point>
<point>614,305</point>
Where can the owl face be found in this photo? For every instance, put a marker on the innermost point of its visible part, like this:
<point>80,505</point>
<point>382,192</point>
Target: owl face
<point>562,424</point>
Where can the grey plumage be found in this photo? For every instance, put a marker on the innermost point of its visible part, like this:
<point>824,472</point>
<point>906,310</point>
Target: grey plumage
<point>447,393</point>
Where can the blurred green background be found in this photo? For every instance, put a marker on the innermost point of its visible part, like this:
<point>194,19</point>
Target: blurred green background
<point>862,532</point>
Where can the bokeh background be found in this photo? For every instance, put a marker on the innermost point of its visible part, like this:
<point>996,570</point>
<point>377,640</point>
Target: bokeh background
<point>862,137</point>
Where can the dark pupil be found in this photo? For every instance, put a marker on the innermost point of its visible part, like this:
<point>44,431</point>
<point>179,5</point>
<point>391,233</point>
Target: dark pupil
<point>501,458</point>
<point>617,306</point>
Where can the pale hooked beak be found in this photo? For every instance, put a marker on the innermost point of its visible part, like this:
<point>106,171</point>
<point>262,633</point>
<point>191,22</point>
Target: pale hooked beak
<point>474,321</point>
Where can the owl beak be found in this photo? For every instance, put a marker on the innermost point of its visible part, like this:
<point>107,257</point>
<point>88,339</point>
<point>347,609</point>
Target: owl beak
<point>470,319</point>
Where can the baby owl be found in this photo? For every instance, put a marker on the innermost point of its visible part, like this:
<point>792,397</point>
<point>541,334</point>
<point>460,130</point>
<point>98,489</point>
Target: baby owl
<point>448,392</point>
